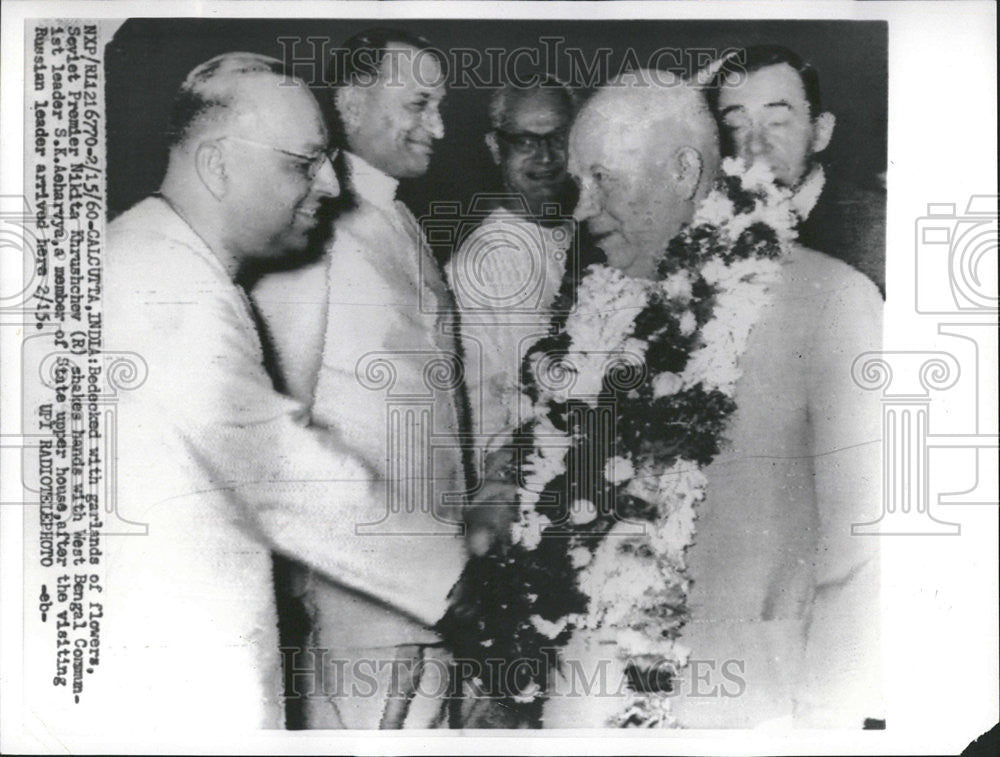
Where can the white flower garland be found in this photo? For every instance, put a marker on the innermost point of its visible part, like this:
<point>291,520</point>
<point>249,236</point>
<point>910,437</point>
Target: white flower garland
<point>631,576</point>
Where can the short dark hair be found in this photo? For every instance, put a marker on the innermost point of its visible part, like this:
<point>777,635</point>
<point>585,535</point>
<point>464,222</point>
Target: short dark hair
<point>361,56</point>
<point>358,59</point>
<point>209,91</point>
<point>749,59</point>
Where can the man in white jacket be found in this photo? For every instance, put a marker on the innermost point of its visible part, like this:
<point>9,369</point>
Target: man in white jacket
<point>221,467</point>
<point>365,336</point>
<point>781,590</point>
<point>508,271</point>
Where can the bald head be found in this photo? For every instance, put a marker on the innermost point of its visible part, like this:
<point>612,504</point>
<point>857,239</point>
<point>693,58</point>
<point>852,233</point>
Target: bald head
<point>645,149</point>
<point>248,156</point>
<point>653,114</point>
<point>242,94</point>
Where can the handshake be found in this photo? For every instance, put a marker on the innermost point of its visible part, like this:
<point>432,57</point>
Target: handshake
<point>492,506</point>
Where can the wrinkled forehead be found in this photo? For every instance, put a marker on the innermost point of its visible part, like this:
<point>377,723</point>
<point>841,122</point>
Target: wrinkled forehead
<point>539,110</point>
<point>604,136</point>
<point>408,68</point>
<point>279,111</point>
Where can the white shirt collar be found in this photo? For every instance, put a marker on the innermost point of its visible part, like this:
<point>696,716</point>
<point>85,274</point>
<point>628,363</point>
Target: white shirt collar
<point>807,193</point>
<point>370,183</point>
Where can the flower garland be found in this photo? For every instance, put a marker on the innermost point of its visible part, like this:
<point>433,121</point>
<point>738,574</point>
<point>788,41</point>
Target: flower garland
<point>622,409</point>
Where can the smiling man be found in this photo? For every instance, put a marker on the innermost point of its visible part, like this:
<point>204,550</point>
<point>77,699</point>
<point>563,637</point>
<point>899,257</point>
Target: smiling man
<point>363,326</point>
<point>507,271</point>
<point>528,140</point>
<point>219,467</point>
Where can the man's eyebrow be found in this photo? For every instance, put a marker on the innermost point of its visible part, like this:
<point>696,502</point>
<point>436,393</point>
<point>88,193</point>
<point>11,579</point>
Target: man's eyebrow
<point>315,147</point>
<point>730,109</point>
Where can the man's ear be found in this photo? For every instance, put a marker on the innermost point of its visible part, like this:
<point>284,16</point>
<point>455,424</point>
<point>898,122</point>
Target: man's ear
<point>823,131</point>
<point>687,171</point>
<point>494,147</point>
<point>349,102</point>
<point>210,163</point>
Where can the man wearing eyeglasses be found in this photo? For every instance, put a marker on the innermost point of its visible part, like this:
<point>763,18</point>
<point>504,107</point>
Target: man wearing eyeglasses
<point>365,337</point>
<point>214,465</point>
<point>528,140</point>
<point>507,272</point>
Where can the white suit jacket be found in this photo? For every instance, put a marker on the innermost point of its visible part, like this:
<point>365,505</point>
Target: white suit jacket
<point>780,585</point>
<point>784,599</point>
<point>222,469</point>
<point>366,337</point>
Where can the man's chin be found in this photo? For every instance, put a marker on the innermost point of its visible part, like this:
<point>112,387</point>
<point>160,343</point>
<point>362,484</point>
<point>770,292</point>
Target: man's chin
<point>784,177</point>
<point>415,167</point>
<point>295,242</point>
<point>611,244</point>
<point>628,258</point>
<point>618,258</point>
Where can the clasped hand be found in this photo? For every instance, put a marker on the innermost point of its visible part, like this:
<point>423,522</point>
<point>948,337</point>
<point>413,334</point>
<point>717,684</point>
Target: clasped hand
<point>492,508</point>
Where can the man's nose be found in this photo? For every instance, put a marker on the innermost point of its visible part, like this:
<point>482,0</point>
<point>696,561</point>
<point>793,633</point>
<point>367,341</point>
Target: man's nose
<point>757,143</point>
<point>326,179</point>
<point>545,153</point>
<point>587,206</point>
<point>433,123</point>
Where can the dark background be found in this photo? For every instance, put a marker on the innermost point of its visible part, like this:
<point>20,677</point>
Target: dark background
<point>149,58</point>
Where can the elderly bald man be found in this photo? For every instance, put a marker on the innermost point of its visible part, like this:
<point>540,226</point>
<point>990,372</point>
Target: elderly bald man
<point>782,594</point>
<point>219,466</point>
<point>645,155</point>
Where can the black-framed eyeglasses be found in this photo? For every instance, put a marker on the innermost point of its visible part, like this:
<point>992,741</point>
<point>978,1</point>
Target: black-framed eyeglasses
<point>311,164</point>
<point>531,142</point>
